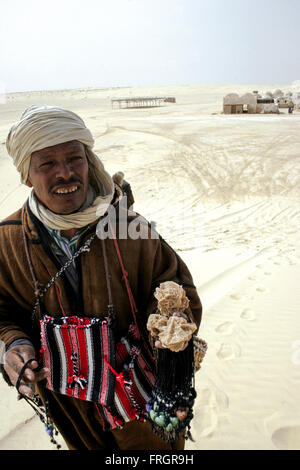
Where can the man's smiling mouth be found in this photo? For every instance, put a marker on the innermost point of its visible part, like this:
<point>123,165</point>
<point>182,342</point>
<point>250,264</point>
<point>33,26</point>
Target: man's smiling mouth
<point>66,190</point>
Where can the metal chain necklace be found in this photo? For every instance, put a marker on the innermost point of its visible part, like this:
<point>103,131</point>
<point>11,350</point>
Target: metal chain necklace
<point>40,292</point>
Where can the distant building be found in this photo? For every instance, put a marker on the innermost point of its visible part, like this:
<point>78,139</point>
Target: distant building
<point>233,108</point>
<point>277,93</point>
<point>235,104</point>
<point>285,102</point>
<point>251,103</point>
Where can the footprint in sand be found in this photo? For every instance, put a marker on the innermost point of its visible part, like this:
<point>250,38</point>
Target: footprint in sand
<point>205,421</point>
<point>267,273</point>
<point>237,296</point>
<point>261,289</point>
<point>252,278</point>
<point>248,314</point>
<point>287,438</point>
<point>228,351</point>
<point>206,409</point>
<point>226,328</point>
<point>260,266</point>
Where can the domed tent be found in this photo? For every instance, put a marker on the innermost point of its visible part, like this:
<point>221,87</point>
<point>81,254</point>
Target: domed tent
<point>277,93</point>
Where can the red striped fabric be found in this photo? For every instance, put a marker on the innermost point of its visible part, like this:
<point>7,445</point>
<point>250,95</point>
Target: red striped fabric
<point>78,366</point>
<point>105,373</point>
<point>84,367</point>
<point>127,409</point>
<point>72,362</point>
<point>67,359</point>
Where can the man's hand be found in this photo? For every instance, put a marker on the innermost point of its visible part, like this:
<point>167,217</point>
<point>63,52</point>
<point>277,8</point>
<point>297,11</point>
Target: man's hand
<point>14,360</point>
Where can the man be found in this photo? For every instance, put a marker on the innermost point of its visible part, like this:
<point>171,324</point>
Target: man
<point>52,149</point>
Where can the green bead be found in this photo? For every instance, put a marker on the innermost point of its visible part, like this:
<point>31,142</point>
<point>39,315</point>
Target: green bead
<point>160,420</point>
<point>153,415</point>
<point>155,406</point>
<point>174,420</point>
<point>169,427</point>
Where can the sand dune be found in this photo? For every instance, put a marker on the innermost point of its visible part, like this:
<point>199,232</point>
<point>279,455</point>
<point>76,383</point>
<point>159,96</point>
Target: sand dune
<point>224,191</point>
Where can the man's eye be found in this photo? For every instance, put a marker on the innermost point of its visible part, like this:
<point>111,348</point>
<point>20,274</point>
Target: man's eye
<point>46,164</point>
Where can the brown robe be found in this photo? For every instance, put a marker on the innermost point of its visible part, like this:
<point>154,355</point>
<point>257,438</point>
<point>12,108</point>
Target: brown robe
<point>148,263</point>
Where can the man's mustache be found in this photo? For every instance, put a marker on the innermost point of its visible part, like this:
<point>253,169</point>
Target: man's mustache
<point>62,182</point>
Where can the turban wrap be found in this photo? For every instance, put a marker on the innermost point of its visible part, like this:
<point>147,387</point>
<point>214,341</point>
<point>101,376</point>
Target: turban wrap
<point>44,126</point>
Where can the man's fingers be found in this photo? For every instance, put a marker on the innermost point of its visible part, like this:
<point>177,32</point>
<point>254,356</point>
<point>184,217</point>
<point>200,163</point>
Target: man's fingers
<point>32,365</point>
<point>14,361</point>
<point>30,377</point>
<point>29,373</point>
<point>16,357</point>
<point>27,386</point>
<point>26,390</point>
<point>42,374</point>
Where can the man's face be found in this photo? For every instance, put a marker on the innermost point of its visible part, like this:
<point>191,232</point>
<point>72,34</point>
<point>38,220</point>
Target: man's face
<point>59,176</point>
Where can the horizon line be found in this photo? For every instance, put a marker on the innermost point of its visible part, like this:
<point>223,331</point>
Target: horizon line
<point>94,88</point>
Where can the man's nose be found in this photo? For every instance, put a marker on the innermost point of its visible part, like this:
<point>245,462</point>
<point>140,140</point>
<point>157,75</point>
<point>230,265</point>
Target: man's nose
<point>64,170</point>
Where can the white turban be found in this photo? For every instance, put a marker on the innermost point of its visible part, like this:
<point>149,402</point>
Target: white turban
<point>44,126</point>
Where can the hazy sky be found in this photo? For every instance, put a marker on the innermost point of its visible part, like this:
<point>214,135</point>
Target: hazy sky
<point>57,44</point>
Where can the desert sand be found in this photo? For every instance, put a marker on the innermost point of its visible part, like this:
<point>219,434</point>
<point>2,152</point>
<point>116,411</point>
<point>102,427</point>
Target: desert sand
<point>224,192</point>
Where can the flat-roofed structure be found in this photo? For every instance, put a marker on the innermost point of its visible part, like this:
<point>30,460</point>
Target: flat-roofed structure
<point>142,102</point>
